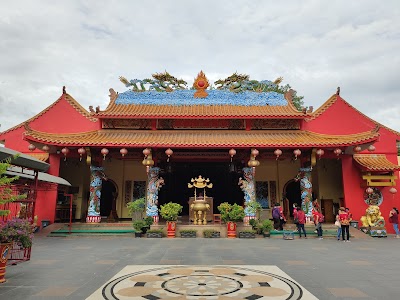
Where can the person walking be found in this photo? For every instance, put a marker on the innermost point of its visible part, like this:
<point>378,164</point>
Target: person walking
<point>344,220</point>
<point>277,216</point>
<point>301,219</point>
<point>394,219</point>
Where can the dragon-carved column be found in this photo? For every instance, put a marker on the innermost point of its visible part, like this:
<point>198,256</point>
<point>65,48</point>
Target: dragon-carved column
<point>304,176</point>
<point>248,188</point>
<point>154,184</point>
<point>96,180</point>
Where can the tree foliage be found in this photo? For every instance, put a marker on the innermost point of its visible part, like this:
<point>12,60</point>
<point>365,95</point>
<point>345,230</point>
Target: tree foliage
<point>6,193</point>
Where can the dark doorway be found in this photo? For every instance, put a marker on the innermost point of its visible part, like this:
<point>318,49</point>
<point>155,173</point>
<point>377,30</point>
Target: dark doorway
<point>108,192</point>
<point>292,192</point>
<point>225,184</point>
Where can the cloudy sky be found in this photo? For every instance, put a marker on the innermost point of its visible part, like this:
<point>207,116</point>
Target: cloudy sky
<point>315,46</point>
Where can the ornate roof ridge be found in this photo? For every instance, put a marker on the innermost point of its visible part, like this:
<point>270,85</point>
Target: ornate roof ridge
<point>375,162</point>
<point>65,96</point>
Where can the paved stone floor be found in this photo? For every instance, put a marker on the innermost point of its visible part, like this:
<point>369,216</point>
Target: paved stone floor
<point>79,267</point>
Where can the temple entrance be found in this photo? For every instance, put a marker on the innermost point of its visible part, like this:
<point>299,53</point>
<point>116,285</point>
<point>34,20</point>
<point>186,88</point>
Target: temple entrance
<point>225,184</point>
<point>292,192</point>
<point>108,195</point>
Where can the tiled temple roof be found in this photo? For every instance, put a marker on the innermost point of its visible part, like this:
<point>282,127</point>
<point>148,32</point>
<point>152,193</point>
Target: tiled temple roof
<point>201,138</point>
<point>219,104</point>
<point>375,162</point>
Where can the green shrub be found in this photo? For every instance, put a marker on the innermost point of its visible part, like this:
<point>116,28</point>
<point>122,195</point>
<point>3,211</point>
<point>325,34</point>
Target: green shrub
<point>209,232</point>
<point>267,225</point>
<point>170,211</point>
<point>139,225</point>
<point>248,230</point>
<point>149,221</point>
<point>188,231</point>
<point>231,213</point>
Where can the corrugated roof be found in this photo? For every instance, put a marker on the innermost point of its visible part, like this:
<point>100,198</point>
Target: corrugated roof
<point>375,162</point>
<point>201,138</point>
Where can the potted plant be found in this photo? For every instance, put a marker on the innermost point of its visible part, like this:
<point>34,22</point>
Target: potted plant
<point>231,214</point>
<point>136,208</point>
<point>256,225</point>
<point>12,231</point>
<point>211,233</point>
<point>267,226</point>
<point>247,234</point>
<point>138,225</point>
<point>170,213</point>
<point>188,233</point>
<point>155,233</point>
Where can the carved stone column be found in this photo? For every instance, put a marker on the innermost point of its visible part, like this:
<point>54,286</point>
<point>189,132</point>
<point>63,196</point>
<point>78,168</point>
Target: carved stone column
<point>96,177</point>
<point>154,183</point>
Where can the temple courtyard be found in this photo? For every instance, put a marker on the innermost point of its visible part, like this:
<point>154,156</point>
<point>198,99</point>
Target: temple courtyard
<point>122,267</point>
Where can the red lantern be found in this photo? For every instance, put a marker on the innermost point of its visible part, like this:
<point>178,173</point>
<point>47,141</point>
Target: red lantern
<point>357,149</point>
<point>369,190</point>
<point>278,152</point>
<point>337,151</point>
<point>81,152</point>
<point>371,148</point>
<point>146,152</point>
<point>65,151</point>
<point>254,152</point>
<point>320,152</point>
<point>45,148</point>
<point>296,153</point>
<point>31,147</point>
<point>393,190</point>
<point>232,153</point>
<point>169,152</point>
<point>123,152</point>
<point>104,151</point>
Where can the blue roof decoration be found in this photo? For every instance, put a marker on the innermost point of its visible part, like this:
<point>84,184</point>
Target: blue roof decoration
<point>237,90</point>
<point>215,97</point>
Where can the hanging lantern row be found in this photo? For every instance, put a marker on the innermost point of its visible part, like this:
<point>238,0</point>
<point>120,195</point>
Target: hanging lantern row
<point>232,153</point>
<point>357,149</point>
<point>296,153</point>
<point>123,152</point>
<point>278,152</point>
<point>320,152</point>
<point>169,152</point>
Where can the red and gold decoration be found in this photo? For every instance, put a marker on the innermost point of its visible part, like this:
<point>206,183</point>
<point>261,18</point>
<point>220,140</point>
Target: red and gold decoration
<point>253,162</point>
<point>171,229</point>
<point>123,152</point>
<point>278,152</point>
<point>46,148</point>
<point>81,152</point>
<point>65,151</point>
<point>104,151</point>
<point>232,153</point>
<point>296,153</point>
<point>169,152</point>
<point>357,149</point>
<point>231,229</point>
<point>200,205</point>
<point>5,249</point>
<point>31,147</point>
<point>320,152</point>
<point>148,159</point>
<point>371,148</point>
<point>201,84</point>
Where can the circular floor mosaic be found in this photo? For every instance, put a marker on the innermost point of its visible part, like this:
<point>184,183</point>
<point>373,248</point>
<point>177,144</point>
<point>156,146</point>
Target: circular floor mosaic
<point>202,282</point>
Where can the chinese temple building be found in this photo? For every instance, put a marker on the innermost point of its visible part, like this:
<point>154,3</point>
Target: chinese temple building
<point>246,136</point>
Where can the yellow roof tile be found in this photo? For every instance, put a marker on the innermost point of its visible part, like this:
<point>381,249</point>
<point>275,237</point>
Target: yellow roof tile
<point>375,162</point>
<point>201,138</point>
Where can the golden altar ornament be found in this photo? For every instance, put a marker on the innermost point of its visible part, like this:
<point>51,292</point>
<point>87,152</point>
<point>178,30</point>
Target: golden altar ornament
<point>200,205</point>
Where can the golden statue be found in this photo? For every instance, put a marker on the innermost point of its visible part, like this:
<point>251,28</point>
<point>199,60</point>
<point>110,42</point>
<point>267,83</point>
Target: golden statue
<point>373,217</point>
<point>200,206</point>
